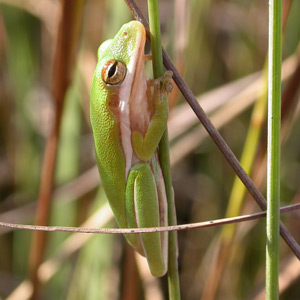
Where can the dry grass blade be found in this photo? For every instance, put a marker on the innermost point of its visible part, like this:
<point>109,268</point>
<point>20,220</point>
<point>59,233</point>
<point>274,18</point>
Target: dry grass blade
<point>182,118</point>
<point>234,99</point>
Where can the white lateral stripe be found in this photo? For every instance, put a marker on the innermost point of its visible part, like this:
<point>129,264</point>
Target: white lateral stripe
<point>124,96</point>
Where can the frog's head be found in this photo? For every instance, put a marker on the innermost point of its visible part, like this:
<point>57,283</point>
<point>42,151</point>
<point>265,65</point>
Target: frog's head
<point>122,54</point>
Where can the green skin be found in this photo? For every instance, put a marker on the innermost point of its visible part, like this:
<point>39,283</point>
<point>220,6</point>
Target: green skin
<point>127,160</point>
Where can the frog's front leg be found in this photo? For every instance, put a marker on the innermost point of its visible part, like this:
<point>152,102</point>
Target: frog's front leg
<point>142,210</point>
<point>145,146</point>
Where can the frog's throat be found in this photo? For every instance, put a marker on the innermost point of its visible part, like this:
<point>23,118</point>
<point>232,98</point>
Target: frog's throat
<point>133,93</point>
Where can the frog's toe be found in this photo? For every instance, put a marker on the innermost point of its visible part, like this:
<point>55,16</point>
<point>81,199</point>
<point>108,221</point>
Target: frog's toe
<point>167,81</point>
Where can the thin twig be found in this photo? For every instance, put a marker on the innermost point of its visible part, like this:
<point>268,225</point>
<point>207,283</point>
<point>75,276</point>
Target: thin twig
<point>212,223</point>
<point>215,135</point>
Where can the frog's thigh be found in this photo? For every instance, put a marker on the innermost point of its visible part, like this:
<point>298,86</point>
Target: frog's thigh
<point>142,210</point>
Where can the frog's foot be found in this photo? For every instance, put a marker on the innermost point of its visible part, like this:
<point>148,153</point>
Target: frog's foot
<point>163,84</point>
<point>167,82</point>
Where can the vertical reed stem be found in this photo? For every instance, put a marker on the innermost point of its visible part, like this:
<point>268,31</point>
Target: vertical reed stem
<point>273,151</point>
<point>158,70</point>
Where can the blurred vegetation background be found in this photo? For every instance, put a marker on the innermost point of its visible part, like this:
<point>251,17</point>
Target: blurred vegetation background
<point>47,58</point>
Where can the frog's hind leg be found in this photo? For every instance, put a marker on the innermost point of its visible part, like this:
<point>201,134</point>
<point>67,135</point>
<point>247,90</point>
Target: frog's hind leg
<point>142,210</point>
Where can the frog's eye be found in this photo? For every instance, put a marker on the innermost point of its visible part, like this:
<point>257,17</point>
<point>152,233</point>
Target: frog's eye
<point>113,72</point>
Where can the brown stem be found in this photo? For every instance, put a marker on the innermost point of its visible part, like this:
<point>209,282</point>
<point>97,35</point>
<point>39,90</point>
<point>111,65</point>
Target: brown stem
<point>130,277</point>
<point>64,61</point>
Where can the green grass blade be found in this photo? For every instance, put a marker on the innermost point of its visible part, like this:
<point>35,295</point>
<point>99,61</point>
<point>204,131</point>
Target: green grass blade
<point>273,151</point>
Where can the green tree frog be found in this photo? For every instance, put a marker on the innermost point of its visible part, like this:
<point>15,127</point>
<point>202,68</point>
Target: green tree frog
<point>129,115</point>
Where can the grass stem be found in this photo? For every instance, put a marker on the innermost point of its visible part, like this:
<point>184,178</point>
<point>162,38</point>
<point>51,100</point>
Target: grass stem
<point>273,149</point>
<point>158,70</point>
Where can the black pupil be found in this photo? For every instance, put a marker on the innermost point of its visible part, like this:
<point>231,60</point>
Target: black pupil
<point>112,69</point>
